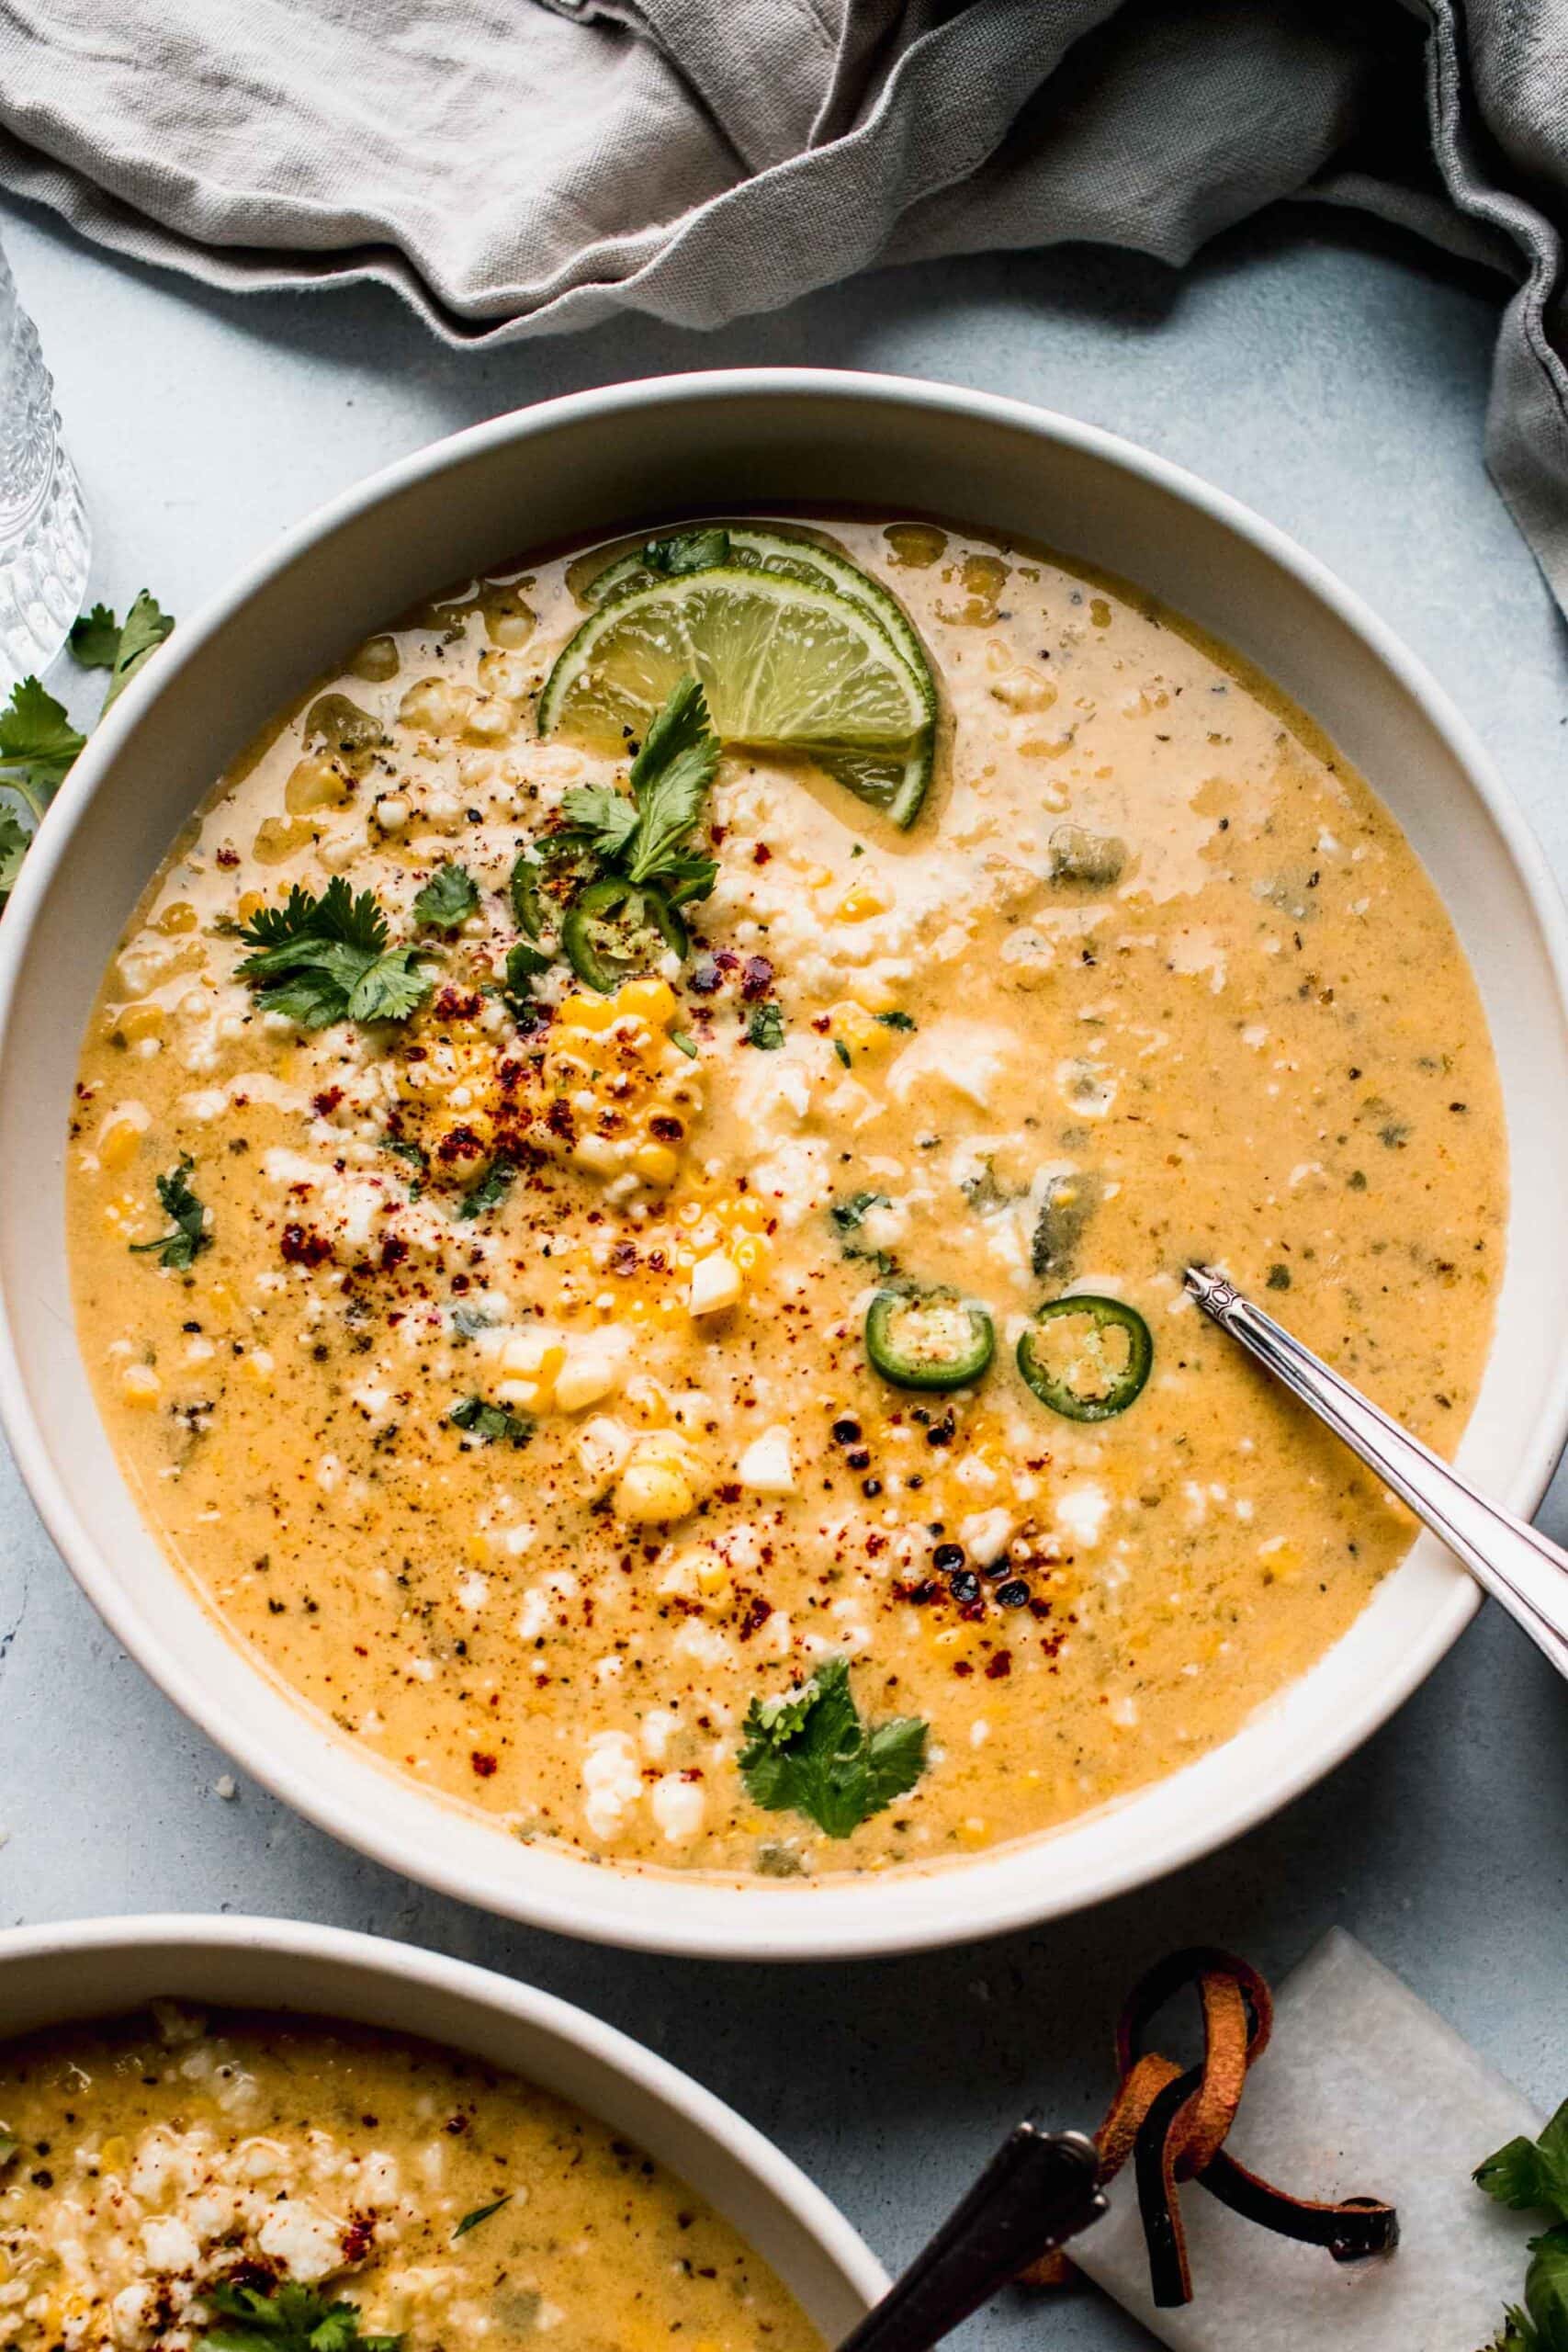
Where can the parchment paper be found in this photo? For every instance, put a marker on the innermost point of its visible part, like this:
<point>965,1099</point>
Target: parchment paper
<point>1363,2091</point>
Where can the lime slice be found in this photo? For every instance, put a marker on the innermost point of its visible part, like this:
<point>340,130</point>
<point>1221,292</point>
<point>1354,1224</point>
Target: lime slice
<point>895,782</point>
<point>765,547</point>
<point>785,664</point>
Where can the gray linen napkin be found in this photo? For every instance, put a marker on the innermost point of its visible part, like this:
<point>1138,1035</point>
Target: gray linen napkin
<point>526,166</point>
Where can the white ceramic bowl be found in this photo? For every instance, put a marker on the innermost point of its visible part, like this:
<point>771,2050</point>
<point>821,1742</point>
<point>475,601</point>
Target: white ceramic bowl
<point>601,462</point>
<point>55,1976</point>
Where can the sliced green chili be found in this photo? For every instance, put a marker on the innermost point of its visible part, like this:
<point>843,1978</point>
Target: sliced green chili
<point>615,928</point>
<point>929,1338</point>
<point>557,859</point>
<point>1092,1374</point>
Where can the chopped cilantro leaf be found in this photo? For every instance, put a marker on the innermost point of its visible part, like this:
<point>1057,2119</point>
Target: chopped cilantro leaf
<point>38,744</point>
<point>843,1052</point>
<point>480,2213</point>
<point>326,959</point>
<point>94,639</point>
<point>896,1020</point>
<point>447,900</point>
<point>766,1027</point>
<point>684,1043</point>
<point>14,840</point>
<point>176,1249</point>
<point>146,627</point>
<point>809,1752</point>
<point>490,1191</point>
<point>1531,2176</point>
<point>489,1423</point>
<point>599,818</point>
<point>285,2317</point>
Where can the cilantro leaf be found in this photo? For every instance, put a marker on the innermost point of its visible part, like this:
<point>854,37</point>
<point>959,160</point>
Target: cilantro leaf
<point>489,1423</point>
<point>146,627</point>
<point>687,551</point>
<point>670,780</point>
<point>847,1218</point>
<point>1531,2176</point>
<point>38,741</point>
<point>286,2317</point>
<point>1546,2292</point>
<point>326,959</point>
<point>901,1020</point>
<point>809,1752</point>
<point>600,819</point>
<point>480,2213</point>
<point>447,900</point>
<point>94,639</point>
<point>766,1029</point>
<point>490,1191</point>
<point>14,841</point>
<point>176,1249</point>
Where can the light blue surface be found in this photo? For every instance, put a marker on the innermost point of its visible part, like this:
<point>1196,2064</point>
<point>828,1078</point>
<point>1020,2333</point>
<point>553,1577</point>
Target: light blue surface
<point>1335,383</point>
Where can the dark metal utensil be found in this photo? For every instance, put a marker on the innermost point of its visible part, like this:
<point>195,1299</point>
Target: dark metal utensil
<point>1039,2188</point>
<point>1524,1572</point>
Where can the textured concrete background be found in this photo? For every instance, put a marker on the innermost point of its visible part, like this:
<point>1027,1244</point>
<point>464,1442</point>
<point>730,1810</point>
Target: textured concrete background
<point>1336,381</point>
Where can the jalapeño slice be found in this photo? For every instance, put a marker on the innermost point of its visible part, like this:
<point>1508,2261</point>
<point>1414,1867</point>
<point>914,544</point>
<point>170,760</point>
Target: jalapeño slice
<point>1087,1357</point>
<point>543,876</point>
<point>615,928</point>
<point>930,1338</point>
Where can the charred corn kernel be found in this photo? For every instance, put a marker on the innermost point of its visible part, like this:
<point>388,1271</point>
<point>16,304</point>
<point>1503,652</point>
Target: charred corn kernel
<point>859,904</point>
<point>315,783</point>
<point>279,837</point>
<point>135,1022</point>
<point>139,1386</point>
<point>251,905</point>
<point>653,1489</point>
<point>120,1135</point>
<point>854,1029</point>
<point>260,1366</point>
<point>437,706</point>
<point>178,917</point>
<point>648,1000</point>
<point>587,1012</point>
<point>376,660</point>
<point>655,1163</point>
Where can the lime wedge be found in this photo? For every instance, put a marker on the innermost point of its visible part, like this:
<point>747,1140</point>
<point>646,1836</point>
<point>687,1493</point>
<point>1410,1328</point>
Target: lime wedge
<point>786,665</point>
<point>763,547</point>
<point>893,782</point>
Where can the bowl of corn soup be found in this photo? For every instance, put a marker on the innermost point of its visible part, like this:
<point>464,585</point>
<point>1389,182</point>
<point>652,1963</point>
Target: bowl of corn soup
<point>632,1037</point>
<point>226,2130</point>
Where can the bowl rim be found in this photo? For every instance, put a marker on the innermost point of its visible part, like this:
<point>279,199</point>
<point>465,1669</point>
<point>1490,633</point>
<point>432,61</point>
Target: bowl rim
<point>194,1935</point>
<point>779,1922</point>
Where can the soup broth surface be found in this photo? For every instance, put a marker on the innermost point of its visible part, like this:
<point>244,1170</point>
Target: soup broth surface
<point>152,2166</point>
<point>515,1409</point>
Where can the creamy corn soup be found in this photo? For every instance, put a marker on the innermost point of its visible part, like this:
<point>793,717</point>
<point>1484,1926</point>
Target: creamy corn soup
<point>616,1364</point>
<point>174,2181</point>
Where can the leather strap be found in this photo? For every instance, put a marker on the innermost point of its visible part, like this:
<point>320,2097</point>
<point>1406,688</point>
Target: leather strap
<point>1173,2125</point>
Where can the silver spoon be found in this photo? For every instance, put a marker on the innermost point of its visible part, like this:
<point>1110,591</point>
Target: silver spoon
<point>1039,2188</point>
<point>1520,1569</point>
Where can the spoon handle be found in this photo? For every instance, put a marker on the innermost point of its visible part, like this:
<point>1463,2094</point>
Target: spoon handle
<point>1521,1570</point>
<point>1039,2187</point>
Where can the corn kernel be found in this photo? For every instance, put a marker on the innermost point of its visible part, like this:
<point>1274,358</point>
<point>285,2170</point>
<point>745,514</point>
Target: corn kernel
<point>120,1137</point>
<point>260,1367</point>
<point>376,660</point>
<point>648,999</point>
<point>509,622</point>
<point>747,1252</point>
<point>135,1022</point>
<point>597,1154</point>
<point>251,905</point>
<point>279,837</point>
<point>653,1489</point>
<point>114,2153</point>
<point>315,783</point>
<point>590,1013</point>
<point>715,1284</point>
<point>974,1830</point>
<point>854,1029</point>
<point>476,1548</point>
<point>655,1163</point>
<point>713,1575</point>
<point>859,904</point>
<point>437,706</point>
<point>139,1386</point>
<point>178,917</point>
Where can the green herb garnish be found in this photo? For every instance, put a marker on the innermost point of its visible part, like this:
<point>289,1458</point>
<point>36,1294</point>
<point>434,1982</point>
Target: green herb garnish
<point>146,627</point>
<point>687,551</point>
<point>684,1043</point>
<point>14,840</point>
<point>490,1423</point>
<point>809,1752</point>
<point>94,639</point>
<point>176,1249</point>
<point>646,840</point>
<point>843,1053</point>
<point>1531,2176</point>
<point>490,1191</point>
<point>37,744</point>
<point>447,900</point>
<point>326,959</point>
<point>901,1020</point>
<point>523,966</point>
<point>480,2213</point>
<point>847,1218</point>
<point>286,2317</point>
<point>766,1027</point>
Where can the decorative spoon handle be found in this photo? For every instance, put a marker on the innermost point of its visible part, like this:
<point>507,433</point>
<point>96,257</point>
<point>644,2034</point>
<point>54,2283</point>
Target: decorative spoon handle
<point>1523,1571</point>
<point>1039,2187</point>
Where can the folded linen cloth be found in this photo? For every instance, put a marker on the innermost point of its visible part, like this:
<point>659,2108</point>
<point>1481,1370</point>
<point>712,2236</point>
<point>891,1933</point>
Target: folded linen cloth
<point>523,166</point>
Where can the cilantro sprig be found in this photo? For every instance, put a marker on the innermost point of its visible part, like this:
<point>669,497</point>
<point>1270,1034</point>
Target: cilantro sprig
<point>176,1249</point>
<point>286,2317</point>
<point>327,959</point>
<point>38,741</point>
<point>807,1751</point>
<point>646,838</point>
<point>1531,2176</point>
<point>448,899</point>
